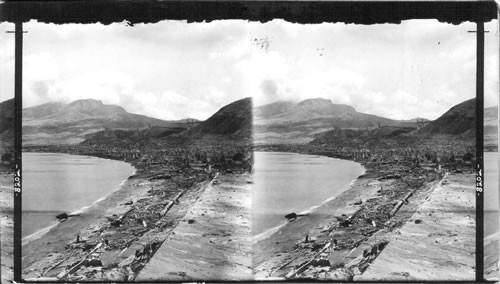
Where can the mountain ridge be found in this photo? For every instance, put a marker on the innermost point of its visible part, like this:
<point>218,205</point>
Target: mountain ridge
<point>458,120</point>
<point>300,122</point>
<point>232,119</point>
<point>59,123</point>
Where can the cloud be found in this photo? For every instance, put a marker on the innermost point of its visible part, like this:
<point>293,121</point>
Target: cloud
<point>270,89</point>
<point>6,62</point>
<point>41,89</point>
<point>175,69</point>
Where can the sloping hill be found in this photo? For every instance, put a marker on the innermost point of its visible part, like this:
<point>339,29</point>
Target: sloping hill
<point>42,110</point>
<point>272,109</point>
<point>7,119</point>
<point>283,122</point>
<point>231,126</point>
<point>460,119</point>
<point>233,119</point>
<point>455,125</point>
<point>6,132</point>
<point>56,123</point>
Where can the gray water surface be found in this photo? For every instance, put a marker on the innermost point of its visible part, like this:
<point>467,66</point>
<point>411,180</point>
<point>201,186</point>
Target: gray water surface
<point>54,183</point>
<point>290,182</point>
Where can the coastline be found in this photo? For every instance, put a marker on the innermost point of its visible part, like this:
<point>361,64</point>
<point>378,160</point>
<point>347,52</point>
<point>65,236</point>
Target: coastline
<point>55,237</point>
<point>272,252</point>
<point>285,251</point>
<point>136,208</point>
<point>280,253</point>
<point>311,210</point>
<point>84,209</point>
<point>331,185</point>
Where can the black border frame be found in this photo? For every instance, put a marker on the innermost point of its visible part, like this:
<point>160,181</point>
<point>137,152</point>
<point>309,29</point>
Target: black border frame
<point>151,11</point>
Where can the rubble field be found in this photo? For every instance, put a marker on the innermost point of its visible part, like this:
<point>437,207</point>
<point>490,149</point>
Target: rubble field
<point>348,238</point>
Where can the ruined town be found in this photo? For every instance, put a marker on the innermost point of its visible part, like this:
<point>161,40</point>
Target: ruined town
<point>413,182</point>
<point>116,239</point>
<point>179,141</point>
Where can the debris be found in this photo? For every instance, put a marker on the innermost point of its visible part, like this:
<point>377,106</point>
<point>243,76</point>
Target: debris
<point>116,223</point>
<point>401,202</point>
<point>345,223</point>
<point>160,177</point>
<point>62,217</point>
<point>191,221</point>
<point>171,203</point>
<point>307,264</point>
<point>320,262</point>
<point>77,266</point>
<point>390,176</point>
<point>93,262</point>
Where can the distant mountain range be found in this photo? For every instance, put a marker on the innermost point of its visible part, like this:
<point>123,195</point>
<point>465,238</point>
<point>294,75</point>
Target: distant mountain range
<point>299,122</point>
<point>279,122</point>
<point>455,127</point>
<point>57,123</point>
<point>232,122</point>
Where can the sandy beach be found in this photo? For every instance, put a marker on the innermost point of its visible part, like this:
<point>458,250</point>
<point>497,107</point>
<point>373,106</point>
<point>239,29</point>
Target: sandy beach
<point>199,227</point>
<point>213,241</point>
<point>40,252</point>
<point>438,242</point>
<point>361,223</point>
<point>123,231</point>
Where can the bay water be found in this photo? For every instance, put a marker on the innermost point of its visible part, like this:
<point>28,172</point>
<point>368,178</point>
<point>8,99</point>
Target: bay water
<point>290,182</point>
<point>54,183</point>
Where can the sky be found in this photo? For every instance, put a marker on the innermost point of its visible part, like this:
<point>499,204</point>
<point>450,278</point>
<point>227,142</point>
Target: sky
<point>173,69</point>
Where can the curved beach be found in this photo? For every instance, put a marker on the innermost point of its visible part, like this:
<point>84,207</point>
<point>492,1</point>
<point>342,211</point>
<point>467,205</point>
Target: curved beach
<point>55,183</point>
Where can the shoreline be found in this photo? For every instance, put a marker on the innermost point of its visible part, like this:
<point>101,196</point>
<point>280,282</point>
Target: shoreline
<point>283,251</point>
<point>141,225</point>
<point>42,231</point>
<point>280,247</point>
<point>288,251</point>
<point>312,207</point>
<point>55,239</point>
<point>310,210</point>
